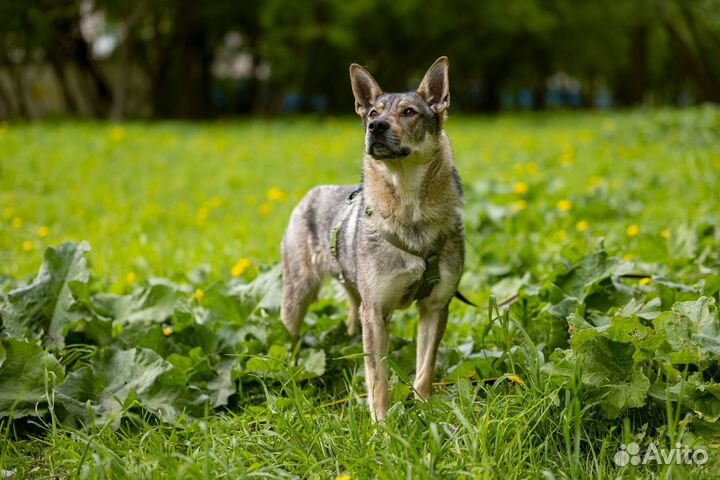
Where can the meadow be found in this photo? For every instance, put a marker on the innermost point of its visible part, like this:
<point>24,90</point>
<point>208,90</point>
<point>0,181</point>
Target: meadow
<point>149,344</point>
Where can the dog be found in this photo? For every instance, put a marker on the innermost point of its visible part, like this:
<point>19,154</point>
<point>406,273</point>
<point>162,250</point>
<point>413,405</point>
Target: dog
<point>395,239</point>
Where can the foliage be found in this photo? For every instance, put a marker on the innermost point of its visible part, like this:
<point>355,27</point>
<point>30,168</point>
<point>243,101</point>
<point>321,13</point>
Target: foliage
<point>609,333</point>
<point>166,54</point>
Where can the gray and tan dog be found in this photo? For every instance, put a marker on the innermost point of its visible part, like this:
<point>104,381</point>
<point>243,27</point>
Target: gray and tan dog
<point>395,239</point>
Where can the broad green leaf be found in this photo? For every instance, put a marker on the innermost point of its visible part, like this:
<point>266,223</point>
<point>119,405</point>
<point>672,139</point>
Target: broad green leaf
<point>262,293</point>
<point>101,391</point>
<point>154,303</point>
<point>621,396</point>
<point>312,362</point>
<point>24,367</point>
<point>45,307</point>
<point>692,325</point>
<point>583,278</point>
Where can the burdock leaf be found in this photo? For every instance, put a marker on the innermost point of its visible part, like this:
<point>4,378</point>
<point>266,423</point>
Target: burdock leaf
<point>155,303</point>
<point>101,391</point>
<point>312,362</point>
<point>585,276</point>
<point>23,369</point>
<point>45,307</point>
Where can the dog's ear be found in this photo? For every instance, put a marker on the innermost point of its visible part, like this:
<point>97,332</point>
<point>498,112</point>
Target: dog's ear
<point>364,87</point>
<point>435,86</point>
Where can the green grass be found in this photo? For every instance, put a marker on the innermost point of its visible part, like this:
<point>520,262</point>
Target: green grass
<point>542,191</point>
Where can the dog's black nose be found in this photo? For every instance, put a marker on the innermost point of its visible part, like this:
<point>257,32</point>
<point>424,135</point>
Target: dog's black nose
<point>378,126</point>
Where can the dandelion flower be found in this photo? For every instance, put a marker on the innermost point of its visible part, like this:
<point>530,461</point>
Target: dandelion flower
<point>594,182</point>
<point>276,195</point>
<point>240,267</point>
<point>665,233</point>
<point>215,202</point>
<point>265,208</point>
<point>564,205</point>
<point>520,188</point>
<point>645,281</point>
<point>343,477</point>
<point>117,133</point>
<point>131,277</point>
<point>27,246</point>
<point>167,331</point>
<point>632,230</point>
<point>519,205</point>
<point>516,379</point>
<point>582,225</point>
<point>202,214</point>
<point>43,231</point>
<point>198,295</point>
<point>16,222</point>
<point>627,257</point>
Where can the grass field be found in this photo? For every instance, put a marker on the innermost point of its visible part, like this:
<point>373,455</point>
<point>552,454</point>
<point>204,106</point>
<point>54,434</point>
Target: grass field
<point>604,228</point>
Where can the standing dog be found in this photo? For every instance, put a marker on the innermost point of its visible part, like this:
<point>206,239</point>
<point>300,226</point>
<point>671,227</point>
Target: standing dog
<point>395,239</point>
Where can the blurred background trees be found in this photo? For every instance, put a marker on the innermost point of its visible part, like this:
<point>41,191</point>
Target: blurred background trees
<point>181,59</point>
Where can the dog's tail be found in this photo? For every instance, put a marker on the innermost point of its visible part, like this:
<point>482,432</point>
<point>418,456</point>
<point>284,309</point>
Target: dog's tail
<point>463,299</point>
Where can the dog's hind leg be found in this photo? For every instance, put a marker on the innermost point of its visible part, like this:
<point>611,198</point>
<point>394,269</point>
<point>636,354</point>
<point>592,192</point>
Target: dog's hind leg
<point>300,288</point>
<point>353,306</point>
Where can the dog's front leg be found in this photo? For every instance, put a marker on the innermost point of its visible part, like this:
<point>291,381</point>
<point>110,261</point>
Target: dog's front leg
<point>376,346</point>
<point>433,320</point>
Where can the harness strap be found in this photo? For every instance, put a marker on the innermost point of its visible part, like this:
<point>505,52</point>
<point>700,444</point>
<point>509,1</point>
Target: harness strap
<point>334,232</point>
<point>431,275</point>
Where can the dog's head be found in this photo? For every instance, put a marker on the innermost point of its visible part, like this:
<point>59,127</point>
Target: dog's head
<point>400,124</point>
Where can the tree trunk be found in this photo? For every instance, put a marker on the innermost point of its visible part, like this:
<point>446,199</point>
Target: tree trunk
<point>59,70</point>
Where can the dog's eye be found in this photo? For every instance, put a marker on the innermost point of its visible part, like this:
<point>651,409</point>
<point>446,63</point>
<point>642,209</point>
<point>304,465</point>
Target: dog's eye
<point>408,112</point>
<point>373,113</point>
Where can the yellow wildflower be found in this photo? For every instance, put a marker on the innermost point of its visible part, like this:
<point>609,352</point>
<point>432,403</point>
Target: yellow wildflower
<point>627,257</point>
<point>202,214</point>
<point>276,195</point>
<point>265,208</point>
<point>666,233</point>
<point>16,222</point>
<point>43,231</point>
<point>117,133</point>
<point>240,267</point>
<point>343,477</point>
<point>582,225</point>
<point>645,281</point>
<point>131,277</point>
<point>632,230</point>
<point>198,295</point>
<point>167,331</point>
<point>567,157</point>
<point>519,205</point>
<point>27,246</point>
<point>516,379</point>
<point>520,188</point>
<point>564,205</point>
<point>594,182</point>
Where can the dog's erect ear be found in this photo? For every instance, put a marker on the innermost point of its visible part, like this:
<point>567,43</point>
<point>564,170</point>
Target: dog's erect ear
<point>364,87</point>
<point>435,87</point>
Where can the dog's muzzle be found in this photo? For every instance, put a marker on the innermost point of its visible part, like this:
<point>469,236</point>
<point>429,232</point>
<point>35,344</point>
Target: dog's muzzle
<point>380,142</point>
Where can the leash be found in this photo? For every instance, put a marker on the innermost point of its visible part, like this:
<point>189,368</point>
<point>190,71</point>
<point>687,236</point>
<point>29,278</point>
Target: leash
<point>431,275</point>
